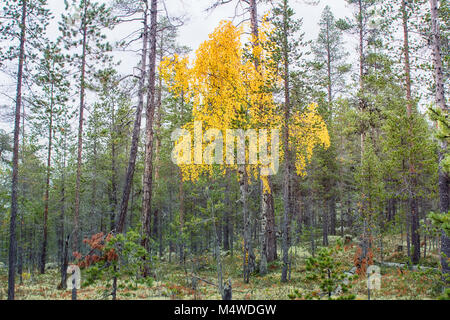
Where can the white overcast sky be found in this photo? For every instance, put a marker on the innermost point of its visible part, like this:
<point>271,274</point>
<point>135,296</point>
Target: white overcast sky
<point>200,23</point>
<point>196,29</point>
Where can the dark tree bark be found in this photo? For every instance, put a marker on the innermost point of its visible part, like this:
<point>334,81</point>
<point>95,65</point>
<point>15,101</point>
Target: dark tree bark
<point>15,160</point>
<point>181,192</point>
<point>94,182</point>
<point>325,227</point>
<point>362,103</point>
<point>136,128</point>
<point>415,236</point>
<point>243,186</point>
<point>227,220</point>
<point>332,210</point>
<point>64,264</point>
<point>440,101</point>
<point>156,212</point>
<point>365,242</point>
<point>76,235</point>
<point>271,235</point>
<point>113,194</point>
<point>24,194</point>
<point>267,209</point>
<point>63,247</point>
<point>414,214</point>
<point>150,110</point>
<point>47,185</point>
<point>287,161</point>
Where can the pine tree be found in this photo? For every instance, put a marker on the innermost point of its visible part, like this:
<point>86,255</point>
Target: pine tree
<point>138,117</point>
<point>25,21</point>
<point>52,78</point>
<point>331,70</point>
<point>83,30</point>
<point>286,53</point>
<point>442,105</point>
<point>150,111</point>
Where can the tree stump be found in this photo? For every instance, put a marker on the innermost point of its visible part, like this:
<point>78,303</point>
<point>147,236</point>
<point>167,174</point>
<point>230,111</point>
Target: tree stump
<point>74,286</point>
<point>227,291</point>
<point>347,239</point>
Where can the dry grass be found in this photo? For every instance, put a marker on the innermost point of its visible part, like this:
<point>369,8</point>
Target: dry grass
<point>175,282</point>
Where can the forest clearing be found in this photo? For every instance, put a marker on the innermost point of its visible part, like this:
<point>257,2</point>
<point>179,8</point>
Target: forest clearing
<point>224,150</point>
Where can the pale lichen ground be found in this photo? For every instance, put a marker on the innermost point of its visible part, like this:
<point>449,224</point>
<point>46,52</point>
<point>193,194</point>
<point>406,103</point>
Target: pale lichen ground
<point>173,281</point>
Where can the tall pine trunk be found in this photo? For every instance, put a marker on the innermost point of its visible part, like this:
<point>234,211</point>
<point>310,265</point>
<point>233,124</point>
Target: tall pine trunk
<point>414,214</point>
<point>325,225</point>
<point>243,187</point>
<point>47,186</point>
<point>441,103</point>
<point>113,195</point>
<point>63,246</point>
<point>156,217</point>
<point>364,244</point>
<point>227,212</point>
<point>287,159</point>
<point>181,209</point>
<point>15,160</point>
<point>76,235</point>
<point>150,110</point>
<point>266,193</point>
<point>136,128</point>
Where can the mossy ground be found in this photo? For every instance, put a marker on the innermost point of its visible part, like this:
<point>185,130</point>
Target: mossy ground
<point>174,281</point>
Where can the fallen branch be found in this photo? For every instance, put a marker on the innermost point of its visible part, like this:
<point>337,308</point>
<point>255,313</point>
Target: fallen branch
<point>406,266</point>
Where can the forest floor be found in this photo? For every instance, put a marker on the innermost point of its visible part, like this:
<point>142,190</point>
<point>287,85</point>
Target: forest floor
<point>174,281</point>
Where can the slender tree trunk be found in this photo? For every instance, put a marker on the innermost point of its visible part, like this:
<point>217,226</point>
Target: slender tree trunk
<point>76,235</point>
<point>150,110</point>
<point>20,253</point>
<point>271,237</point>
<point>15,160</point>
<point>415,239</point>
<point>311,227</point>
<point>243,186</point>
<point>63,247</point>
<point>441,103</point>
<point>94,184</point>
<point>47,185</point>
<point>181,190</point>
<point>332,208</point>
<point>136,128</point>
<point>267,208</point>
<point>325,226</point>
<point>158,140</point>
<point>227,228</point>
<point>24,194</point>
<point>361,70</point>
<point>329,84</point>
<point>287,160</point>
<point>113,197</point>
<point>365,240</point>
<point>332,205</point>
<point>181,200</point>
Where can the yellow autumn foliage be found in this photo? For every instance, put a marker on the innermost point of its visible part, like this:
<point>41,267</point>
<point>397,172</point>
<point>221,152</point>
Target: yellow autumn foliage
<point>227,91</point>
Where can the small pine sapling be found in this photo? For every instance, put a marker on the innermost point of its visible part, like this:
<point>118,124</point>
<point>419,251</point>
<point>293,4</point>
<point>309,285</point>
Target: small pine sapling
<point>325,269</point>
